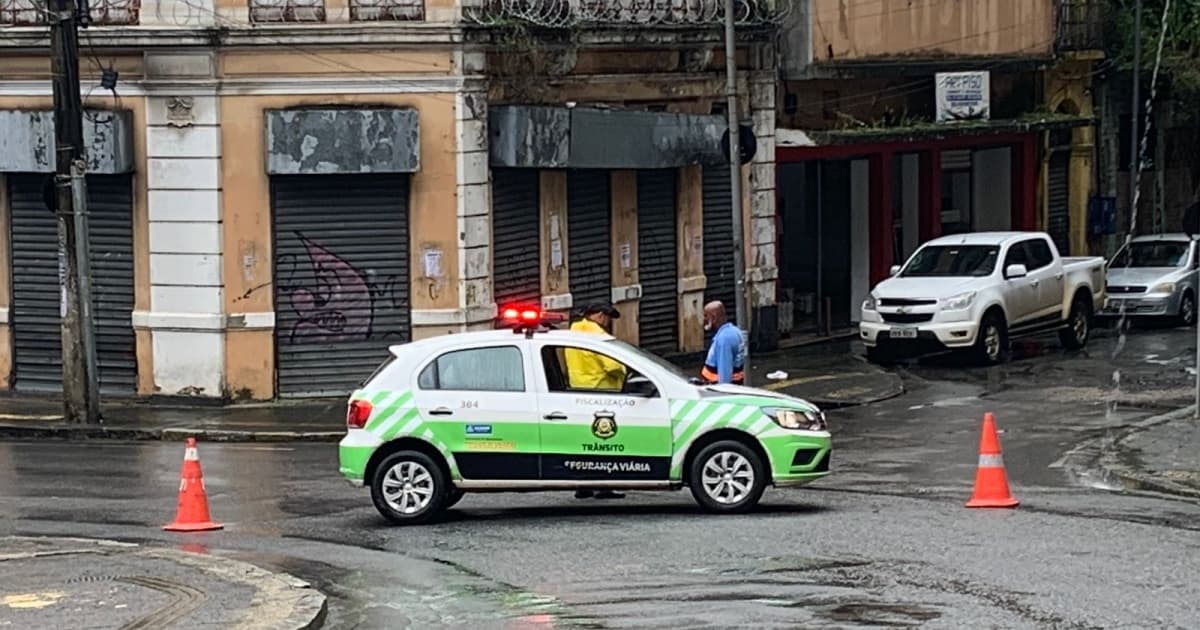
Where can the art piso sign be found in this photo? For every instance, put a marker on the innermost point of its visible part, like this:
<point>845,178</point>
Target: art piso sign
<point>963,96</point>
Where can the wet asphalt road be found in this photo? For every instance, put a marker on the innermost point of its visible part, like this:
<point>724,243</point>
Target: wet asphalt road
<point>884,542</point>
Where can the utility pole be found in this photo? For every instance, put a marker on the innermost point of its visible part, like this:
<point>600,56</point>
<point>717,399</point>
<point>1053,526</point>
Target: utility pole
<point>1135,142</point>
<point>80,398</point>
<point>742,310</point>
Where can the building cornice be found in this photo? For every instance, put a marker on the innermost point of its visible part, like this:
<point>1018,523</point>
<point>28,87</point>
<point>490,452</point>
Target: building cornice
<point>397,35</point>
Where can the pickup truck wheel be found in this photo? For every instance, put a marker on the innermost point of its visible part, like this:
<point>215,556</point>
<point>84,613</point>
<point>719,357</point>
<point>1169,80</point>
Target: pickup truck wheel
<point>1187,310</point>
<point>991,343</point>
<point>1079,325</point>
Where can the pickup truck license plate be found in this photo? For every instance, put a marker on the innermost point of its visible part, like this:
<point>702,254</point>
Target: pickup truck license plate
<point>904,333</point>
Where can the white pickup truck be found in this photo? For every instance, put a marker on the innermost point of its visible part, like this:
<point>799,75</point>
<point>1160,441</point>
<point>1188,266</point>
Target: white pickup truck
<point>976,291</point>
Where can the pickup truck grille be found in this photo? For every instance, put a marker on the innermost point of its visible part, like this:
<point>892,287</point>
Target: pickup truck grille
<point>1119,289</point>
<point>905,302</point>
<point>906,318</point>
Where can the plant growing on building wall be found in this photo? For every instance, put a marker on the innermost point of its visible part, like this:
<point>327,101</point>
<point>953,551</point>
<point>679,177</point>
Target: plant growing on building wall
<point>528,57</point>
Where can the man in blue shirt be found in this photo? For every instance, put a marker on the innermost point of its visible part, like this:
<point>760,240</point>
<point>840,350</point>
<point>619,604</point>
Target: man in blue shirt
<point>726,362</point>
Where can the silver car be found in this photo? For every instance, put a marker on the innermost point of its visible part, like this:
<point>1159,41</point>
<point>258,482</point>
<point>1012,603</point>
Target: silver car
<point>1154,276</point>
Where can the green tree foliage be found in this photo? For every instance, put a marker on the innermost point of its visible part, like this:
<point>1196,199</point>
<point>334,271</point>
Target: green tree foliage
<point>1180,69</point>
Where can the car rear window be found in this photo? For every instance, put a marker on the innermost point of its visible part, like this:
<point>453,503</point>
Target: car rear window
<point>379,370</point>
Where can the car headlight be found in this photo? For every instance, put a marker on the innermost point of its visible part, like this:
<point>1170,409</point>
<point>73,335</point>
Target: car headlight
<point>869,303</point>
<point>796,419</point>
<point>960,302</point>
<point>1163,287</point>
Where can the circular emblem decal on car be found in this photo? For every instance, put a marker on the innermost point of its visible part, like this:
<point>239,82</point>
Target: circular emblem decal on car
<point>604,426</point>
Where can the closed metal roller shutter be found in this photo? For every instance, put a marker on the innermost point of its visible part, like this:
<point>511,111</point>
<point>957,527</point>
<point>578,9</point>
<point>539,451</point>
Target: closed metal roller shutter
<point>341,278</point>
<point>718,239</point>
<point>658,326</point>
<point>1058,216</point>
<point>37,292</point>
<point>515,233</point>
<point>589,236</point>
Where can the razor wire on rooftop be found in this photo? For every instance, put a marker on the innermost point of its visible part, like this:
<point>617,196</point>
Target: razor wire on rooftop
<point>568,13</point>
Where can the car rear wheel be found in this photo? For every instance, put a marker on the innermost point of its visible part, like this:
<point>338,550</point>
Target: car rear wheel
<point>409,488</point>
<point>727,477</point>
<point>991,342</point>
<point>1079,325</point>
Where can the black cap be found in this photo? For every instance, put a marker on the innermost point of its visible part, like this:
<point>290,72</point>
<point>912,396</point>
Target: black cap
<point>601,307</point>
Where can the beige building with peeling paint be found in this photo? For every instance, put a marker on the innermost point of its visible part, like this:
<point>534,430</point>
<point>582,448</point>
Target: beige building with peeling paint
<point>282,188</point>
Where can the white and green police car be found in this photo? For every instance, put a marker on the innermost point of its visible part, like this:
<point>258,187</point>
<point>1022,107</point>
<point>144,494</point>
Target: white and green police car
<point>496,411</point>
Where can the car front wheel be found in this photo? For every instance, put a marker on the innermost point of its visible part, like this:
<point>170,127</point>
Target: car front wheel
<point>409,488</point>
<point>727,477</point>
<point>1187,310</point>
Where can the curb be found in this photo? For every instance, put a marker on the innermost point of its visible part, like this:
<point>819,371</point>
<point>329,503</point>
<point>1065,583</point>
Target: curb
<point>1134,479</point>
<point>62,432</point>
<point>281,601</point>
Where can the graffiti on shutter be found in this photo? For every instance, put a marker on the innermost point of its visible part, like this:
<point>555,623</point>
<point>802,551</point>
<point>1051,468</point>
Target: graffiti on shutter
<point>341,278</point>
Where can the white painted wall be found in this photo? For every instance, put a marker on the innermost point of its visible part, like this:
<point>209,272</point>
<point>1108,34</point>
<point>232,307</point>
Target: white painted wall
<point>991,189</point>
<point>910,202</point>
<point>186,316</point>
<point>860,236</point>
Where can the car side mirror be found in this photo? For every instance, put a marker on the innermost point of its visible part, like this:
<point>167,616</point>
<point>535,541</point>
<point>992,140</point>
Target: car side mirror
<point>894,270</point>
<point>1013,272</point>
<point>640,386</point>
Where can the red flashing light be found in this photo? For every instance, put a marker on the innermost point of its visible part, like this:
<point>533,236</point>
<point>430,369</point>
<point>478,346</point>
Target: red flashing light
<point>525,318</point>
<point>357,414</point>
<point>526,315</point>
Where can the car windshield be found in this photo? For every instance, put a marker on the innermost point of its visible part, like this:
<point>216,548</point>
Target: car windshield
<point>951,261</point>
<point>657,360</point>
<point>1160,254</point>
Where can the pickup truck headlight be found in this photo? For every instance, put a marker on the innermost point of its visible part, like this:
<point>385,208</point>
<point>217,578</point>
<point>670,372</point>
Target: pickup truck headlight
<point>960,302</point>
<point>869,303</point>
<point>796,419</point>
<point>1163,287</point>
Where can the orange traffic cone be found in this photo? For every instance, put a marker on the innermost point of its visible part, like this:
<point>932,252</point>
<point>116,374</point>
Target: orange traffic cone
<point>991,480</point>
<point>192,515</point>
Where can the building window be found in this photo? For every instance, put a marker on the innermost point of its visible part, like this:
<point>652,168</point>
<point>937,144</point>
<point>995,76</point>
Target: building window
<point>103,12</point>
<point>387,10</point>
<point>278,11</point>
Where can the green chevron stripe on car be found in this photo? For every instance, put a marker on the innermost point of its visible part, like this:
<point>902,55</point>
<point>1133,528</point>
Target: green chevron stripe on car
<point>694,418</point>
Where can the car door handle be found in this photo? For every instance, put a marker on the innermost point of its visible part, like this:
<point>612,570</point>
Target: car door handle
<point>555,416</point>
<point>1058,276</point>
<point>441,411</point>
<point>1035,282</point>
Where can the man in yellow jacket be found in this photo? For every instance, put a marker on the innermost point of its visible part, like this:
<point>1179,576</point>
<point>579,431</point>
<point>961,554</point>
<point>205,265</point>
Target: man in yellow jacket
<point>590,370</point>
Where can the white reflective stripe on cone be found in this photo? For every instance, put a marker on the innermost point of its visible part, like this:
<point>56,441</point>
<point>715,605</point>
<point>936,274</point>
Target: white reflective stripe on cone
<point>991,461</point>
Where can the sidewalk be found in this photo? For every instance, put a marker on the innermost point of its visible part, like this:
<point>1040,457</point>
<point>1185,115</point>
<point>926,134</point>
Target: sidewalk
<point>830,376</point>
<point>1161,454</point>
<point>78,583</point>
<point>318,420</point>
